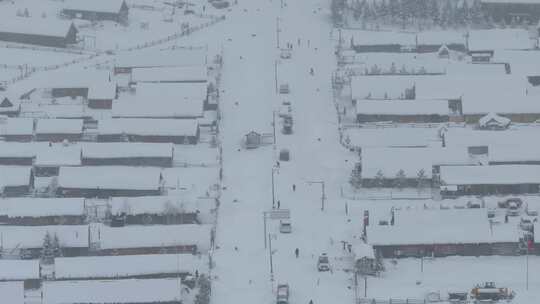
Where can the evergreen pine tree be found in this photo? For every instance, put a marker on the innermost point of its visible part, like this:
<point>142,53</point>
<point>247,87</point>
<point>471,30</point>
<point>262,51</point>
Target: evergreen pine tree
<point>47,250</point>
<point>379,179</point>
<point>400,180</point>
<point>205,287</point>
<point>56,248</point>
<point>393,8</point>
<point>433,11</point>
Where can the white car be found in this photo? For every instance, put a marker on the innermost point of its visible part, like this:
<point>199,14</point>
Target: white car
<point>323,263</point>
<point>285,226</point>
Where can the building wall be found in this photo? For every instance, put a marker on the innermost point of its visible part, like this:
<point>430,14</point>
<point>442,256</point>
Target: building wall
<point>104,193</point>
<point>514,117</point>
<point>192,140</point>
<point>60,42</point>
<point>158,219</point>
<point>442,250</point>
<point>44,220</point>
<point>69,92</point>
<point>494,189</point>
<point>16,161</point>
<point>100,103</point>
<point>16,191</point>
<point>129,161</point>
<point>150,250</point>
<point>58,137</point>
<point>434,118</point>
<point>19,138</point>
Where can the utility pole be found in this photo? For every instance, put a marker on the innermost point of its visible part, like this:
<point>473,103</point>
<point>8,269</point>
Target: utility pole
<point>365,286</point>
<point>277,32</point>
<point>274,125</point>
<point>527,270</point>
<point>275,76</point>
<point>273,191</point>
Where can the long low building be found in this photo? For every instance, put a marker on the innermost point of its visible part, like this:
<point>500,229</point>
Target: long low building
<point>129,291</point>
<point>486,180</point>
<point>42,211</point>
<point>38,31</point>
<point>105,182</point>
<point>404,111</point>
<point>152,58</point>
<point>129,266</point>
<point>154,239</point>
<point>178,131</point>
<point>127,154</point>
<point>458,232</point>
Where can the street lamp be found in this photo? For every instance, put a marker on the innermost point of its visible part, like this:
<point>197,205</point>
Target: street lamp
<point>323,195</point>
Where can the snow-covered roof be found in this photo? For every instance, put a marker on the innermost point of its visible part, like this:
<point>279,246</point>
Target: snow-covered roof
<point>155,236</point>
<point>123,266</point>
<point>15,149</point>
<point>106,90</point>
<point>98,6</point>
<point>453,226</point>
<point>125,150</point>
<point>493,117</point>
<point>161,58</point>
<point>17,126</point>
<point>402,38</point>
<point>36,26</point>
<point>170,74</point>
<point>112,291</point>
<point>402,107</point>
<point>393,137</point>
<point>12,292</point>
<point>490,175</point>
<point>59,156</point>
<point>381,87</point>
<point>528,151</point>
<point>511,1</point>
<point>159,205</point>
<point>59,126</point>
<point>32,236</point>
<point>15,176</point>
<point>497,39</point>
<point>15,270</point>
<point>362,250</point>
<point>128,178</point>
<point>145,126</point>
<point>162,100</point>
<point>515,136</point>
<point>37,207</point>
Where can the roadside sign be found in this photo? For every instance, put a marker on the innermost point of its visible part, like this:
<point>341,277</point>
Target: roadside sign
<point>280,214</point>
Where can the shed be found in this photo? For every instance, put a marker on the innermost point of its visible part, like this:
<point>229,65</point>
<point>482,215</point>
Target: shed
<point>42,211</point>
<point>110,181</point>
<point>177,131</point>
<point>102,96</point>
<point>39,31</point>
<point>9,107</point>
<point>493,121</point>
<point>58,130</point>
<point>153,239</point>
<point>252,140</point>
<point>24,271</point>
<point>17,129</point>
<point>128,154</point>
<point>365,260</point>
<point>122,267</point>
<point>97,10</point>
<point>443,52</point>
<point>128,291</point>
<point>16,181</point>
<point>49,160</point>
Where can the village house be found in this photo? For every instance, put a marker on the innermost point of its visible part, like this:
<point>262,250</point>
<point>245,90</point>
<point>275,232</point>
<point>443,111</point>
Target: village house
<point>17,154</point>
<point>59,130</point>
<point>148,266</point>
<point>162,210</point>
<point>42,211</point>
<point>97,10</point>
<point>105,182</point>
<point>152,58</point>
<point>39,31</point>
<point>490,180</point>
<point>27,241</point>
<point>49,159</point>
<point>17,129</point>
<point>9,107</point>
<point>177,131</point>
<point>154,239</point>
<point>127,291</point>
<point>27,272</point>
<point>465,232</point>
<point>365,260</point>
<point>128,154</point>
<point>405,111</point>
<point>16,181</point>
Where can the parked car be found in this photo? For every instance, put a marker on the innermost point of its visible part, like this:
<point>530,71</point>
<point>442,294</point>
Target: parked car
<point>282,294</point>
<point>285,226</point>
<point>284,88</point>
<point>506,202</point>
<point>513,209</point>
<point>284,155</point>
<point>285,54</point>
<point>323,263</point>
<point>474,204</point>
<point>457,297</point>
<point>526,224</point>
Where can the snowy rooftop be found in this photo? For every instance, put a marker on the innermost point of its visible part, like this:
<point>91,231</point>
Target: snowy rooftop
<point>393,137</point>
<point>496,39</point>
<point>141,126</point>
<point>102,6</point>
<point>362,250</point>
<point>15,176</point>
<point>114,291</point>
<point>162,58</point>
<point>36,26</point>
<point>381,87</point>
<point>527,151</point>
<point>128,178</point>
<point>15,149</point>
<point>59,156</point>
<point>402,107</point>
<point>124,150</point>
<point>17,126</point>
<point>123,266</point>
<point>156,236</point>
<point>159,205</point>
<point>106,90</point>
<point>59,126</point>
<point>18,270</point>
<point>37,207</point>
<point>32,236</point>
<point>515,136</point>
<point>454,226</point>
<point>490,175</point>
<point>12,292</point>
<point>170,74</point>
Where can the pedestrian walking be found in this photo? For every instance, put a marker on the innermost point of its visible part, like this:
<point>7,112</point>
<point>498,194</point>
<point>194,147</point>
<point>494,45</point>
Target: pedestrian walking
<point>277,164</point>
<point>297,252</point>
<point>298,41</point>
<point>310,301</point>
<point>308,43</point>
<point>293,187</point>
<point>278,204</point>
